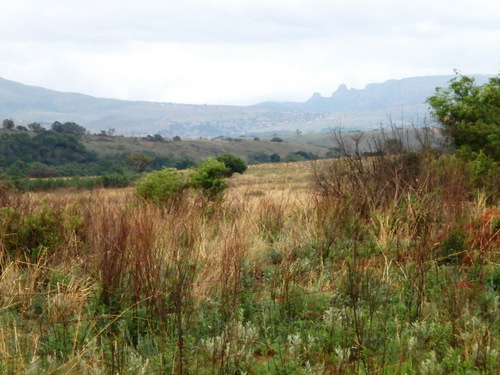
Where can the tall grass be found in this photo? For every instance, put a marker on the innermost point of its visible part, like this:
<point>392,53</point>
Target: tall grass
<point>383,264</point>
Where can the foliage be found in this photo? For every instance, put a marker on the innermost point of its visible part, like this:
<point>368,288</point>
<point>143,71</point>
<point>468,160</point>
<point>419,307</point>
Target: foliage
<point>8,124</point>
<point>233,164</point>
<point>139,161</point>
<point>276,139</point>
<point>470,115</point>
<point>275,158</point>
<point>258,157</point>
<point>110,180</point>
<point>299,156</point>
<point>48,148</point>
<point>69,128</point>
<point>155,138</point>
<point>169,161</point>
<point>162,186</point>
<point>209,178</point>
<point>35,127</point>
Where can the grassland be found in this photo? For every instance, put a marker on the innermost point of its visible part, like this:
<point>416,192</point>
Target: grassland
<point>384,265</point>
<point>247,147</point>
<point>196,149</point>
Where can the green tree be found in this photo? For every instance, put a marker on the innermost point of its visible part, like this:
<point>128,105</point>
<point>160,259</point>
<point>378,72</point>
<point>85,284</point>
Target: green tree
<point>8,124</point>
<point>470,115</point>
<point>35,127</point>
<point>258,157</point>
<point>275,158</point>
<point>233,163</point>
<point>69,128</point>
<point>209,178</point>
<point>139,161</point>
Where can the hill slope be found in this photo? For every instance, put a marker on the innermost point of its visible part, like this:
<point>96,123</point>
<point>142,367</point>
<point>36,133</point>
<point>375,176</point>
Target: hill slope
<point>352,108</point>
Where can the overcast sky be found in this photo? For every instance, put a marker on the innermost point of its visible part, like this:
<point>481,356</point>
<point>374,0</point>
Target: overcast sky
<point>241,51</point>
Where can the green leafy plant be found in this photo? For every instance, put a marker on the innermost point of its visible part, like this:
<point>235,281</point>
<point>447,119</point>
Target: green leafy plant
<point>209,178</point>
<point>233,163</point>
<point>470,114</point>
<point>161,186</point>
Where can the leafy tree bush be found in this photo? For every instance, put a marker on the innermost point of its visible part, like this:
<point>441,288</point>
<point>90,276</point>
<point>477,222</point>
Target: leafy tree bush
<point>470,115</point>
<point>300,156</point>
<point>69,128</point>
<point>139,161</point>
<point>275,158</point>
<point>116,180</point>
<point>35,127</point>
<point>161,186</point>
<point>276,139</point>
<point>161,161</point>
<point>8,124</point>
<point>233,163</point>
<point>258,157</point>
<point>40,170</point>
<point>47,147</point>
<point>209,178</point>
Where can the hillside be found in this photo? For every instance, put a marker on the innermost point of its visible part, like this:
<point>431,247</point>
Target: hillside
<point>352,108</point>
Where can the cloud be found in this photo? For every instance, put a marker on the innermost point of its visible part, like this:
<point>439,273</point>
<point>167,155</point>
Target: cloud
<point>240,52</point>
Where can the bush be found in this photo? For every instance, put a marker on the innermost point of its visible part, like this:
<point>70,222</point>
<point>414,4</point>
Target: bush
<point>233,164</point>
<point>209,178</point>
<point>258,157</point>
<point>470,114</point>
<point>276,139</point>
<point>275,158</point>
<point>116,180</point>
<point>162,186</point>
<point>30,234</point>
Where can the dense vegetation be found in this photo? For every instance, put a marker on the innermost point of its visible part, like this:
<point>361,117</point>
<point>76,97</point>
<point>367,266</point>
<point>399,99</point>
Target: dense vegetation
<point>60,152</point>
<point>34,158</point>
<point>470,115</point>
<point>388,263</point>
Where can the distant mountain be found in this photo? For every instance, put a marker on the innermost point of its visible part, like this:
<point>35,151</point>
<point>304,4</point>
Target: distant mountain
<point>407,92</point>
<point>352,108</point>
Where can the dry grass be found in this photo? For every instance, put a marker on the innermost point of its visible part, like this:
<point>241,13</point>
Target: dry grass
<point>125,272</point>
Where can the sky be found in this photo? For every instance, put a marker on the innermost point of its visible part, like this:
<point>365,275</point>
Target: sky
<point>241,52</point>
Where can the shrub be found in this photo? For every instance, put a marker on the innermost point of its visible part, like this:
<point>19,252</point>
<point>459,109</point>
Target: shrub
<point>209,178</point>
<point>276,139</point>
<point>30,234</point>
<point>161,186</point>
<point>275,158</point>
<point>470,114</point>
<point>233,164</point>
<point>258,157</point>
<point>116,180</point>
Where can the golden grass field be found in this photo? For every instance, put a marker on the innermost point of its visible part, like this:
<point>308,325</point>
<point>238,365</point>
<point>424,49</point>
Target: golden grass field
<point>283,276</point>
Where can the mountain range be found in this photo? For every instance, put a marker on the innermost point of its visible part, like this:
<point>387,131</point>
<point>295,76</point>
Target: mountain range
<point>357,109</point>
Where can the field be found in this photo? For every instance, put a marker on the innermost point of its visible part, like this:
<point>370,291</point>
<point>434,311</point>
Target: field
<point>382,265</point>
<point>197,149</point>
